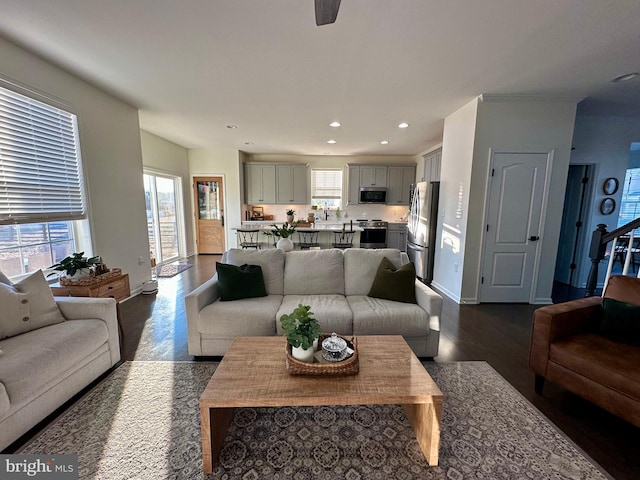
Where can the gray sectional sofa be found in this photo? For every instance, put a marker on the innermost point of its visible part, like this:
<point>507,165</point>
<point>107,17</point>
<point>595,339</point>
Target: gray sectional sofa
<point>333,282</point>
<point>42,368</point>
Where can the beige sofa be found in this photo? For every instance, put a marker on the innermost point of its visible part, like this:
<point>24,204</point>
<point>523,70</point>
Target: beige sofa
<point>43,368</point>
<point>333,282</point>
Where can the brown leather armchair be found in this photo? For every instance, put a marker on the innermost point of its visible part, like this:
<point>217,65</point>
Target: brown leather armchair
<point>567,349</point>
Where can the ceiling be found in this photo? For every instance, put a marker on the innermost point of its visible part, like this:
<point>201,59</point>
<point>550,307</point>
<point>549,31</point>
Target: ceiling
<point>194,67</point>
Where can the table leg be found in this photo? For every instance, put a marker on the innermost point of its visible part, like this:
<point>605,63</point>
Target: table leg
<point>425,420</point>
<point>214,423</point>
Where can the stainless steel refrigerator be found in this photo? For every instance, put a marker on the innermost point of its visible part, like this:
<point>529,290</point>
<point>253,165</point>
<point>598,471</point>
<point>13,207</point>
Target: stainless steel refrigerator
<point>421,228</point>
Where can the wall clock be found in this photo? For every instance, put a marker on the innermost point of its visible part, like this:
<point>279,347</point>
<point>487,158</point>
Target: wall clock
<point>610,186</point>
<point>607,206</point>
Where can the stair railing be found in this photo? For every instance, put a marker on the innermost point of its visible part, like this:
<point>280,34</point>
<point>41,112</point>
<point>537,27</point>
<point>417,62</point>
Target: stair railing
<point>598,249</point>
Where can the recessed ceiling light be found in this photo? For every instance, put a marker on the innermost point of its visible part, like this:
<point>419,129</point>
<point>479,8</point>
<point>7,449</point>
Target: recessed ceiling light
<point>331,141</point>
<point>403,125</point>
<point>232,126</point>
<point>335,124</point>
<point>626,77</point>
<point>248,143</point>
<point>384,142</point>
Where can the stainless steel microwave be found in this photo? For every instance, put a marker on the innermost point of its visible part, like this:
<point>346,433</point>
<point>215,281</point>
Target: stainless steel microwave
<point>373,195</point>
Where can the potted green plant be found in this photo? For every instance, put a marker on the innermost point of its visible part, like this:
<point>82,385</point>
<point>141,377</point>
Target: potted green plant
<point>301,330</point>
<point>283,232</point>
<point>75,266</point>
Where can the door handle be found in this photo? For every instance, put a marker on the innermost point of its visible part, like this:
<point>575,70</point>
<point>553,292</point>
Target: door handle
<point>222,217</point>
<point>534,238</point>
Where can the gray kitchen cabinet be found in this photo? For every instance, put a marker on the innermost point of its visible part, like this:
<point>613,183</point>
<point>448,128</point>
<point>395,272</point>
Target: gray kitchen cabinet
<point>399,184</point>
<point>260,183</point>
<point>353,184</point>
<point>397,236</point>
<point>432,162</point>
<point>373,176</point>
<point>291,184</point>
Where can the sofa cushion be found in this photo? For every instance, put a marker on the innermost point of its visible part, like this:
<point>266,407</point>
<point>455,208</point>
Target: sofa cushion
<point>36,360</point>
<point>4,279</point>
<point>397,284</point>
<point>609,363</point>
<point>246,317</point>
<point>361,265</point>
<point>375,316</point>
<point>620,321</point>
<point>42,309</point>
<point>271,261</point>
<point>331,311</point>
<point>235,283</point>
<point>314,272</point>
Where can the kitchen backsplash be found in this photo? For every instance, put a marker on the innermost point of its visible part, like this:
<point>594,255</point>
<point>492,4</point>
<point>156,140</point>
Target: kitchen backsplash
<point>353,212</point>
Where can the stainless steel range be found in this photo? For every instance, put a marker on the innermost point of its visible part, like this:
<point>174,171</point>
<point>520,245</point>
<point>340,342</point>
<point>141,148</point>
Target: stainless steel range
<point>374,233</point>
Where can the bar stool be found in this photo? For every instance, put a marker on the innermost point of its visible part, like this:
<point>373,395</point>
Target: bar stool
<point>308,239</point>
<point>342,239</point>
<point>248,238</point>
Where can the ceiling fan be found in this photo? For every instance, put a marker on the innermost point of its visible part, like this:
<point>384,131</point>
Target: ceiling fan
<point>326,11</point>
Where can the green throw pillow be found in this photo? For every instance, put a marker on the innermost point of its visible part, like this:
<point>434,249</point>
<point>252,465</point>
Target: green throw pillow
<point>394,284</point>
<point>245,281</point>
<point>621,321</point>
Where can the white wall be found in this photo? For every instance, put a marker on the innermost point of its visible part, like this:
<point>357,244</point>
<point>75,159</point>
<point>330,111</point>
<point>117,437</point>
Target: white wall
<point>225,162</point>
<point>111,155</point>
<point>605,142</point>
<point>499,124</point>
<point>455,181</point>
<point>163,156</point>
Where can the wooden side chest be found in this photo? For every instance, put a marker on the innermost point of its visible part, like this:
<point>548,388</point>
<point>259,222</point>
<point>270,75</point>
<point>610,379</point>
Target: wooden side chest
<point>116,287</point>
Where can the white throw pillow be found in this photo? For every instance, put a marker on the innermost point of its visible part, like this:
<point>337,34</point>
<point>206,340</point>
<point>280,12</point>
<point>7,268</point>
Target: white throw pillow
<point>42,308</point>
<point>4,279</point>
<point>15,318</point>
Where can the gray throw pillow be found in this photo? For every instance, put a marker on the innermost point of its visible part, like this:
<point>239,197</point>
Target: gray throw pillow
<point>30,305</point>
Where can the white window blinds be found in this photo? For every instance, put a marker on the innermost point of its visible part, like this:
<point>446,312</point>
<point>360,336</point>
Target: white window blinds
<point>40,170</point>
<point>326,183</point>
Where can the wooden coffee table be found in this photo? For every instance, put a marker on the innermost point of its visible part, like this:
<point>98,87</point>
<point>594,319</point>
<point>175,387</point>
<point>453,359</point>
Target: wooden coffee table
<point>253,374</point>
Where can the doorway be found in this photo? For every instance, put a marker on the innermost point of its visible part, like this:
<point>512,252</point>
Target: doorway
<point>209,205</point>
<point>514,226</point>
<point>572,232</point>
<point>164,222</point>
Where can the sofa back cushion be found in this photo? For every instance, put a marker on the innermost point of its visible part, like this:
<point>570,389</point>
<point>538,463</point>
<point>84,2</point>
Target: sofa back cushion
<point>317,272</point>
<point>623,289</point>
<point>361,266</point>
<point>271,261</point>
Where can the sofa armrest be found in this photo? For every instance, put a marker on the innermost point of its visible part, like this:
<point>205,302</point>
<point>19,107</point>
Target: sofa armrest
<point>194,302</point>
<point>431,302</point>
<point>105,309</point>
<point>554,322</point>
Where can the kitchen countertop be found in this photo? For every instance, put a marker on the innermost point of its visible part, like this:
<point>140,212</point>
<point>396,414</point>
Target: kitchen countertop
<point>321,226</point>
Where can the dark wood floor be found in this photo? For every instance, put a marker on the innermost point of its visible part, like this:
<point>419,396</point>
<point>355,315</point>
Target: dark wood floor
<point>155,328</point>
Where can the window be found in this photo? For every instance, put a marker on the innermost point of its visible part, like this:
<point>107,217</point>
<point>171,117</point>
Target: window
<point>630,203</point>
<point>41,182</point>
<point>326,188</point>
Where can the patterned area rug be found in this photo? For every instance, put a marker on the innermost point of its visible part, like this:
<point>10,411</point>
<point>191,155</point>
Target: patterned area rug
<point>171,269</point>
<point>143,422</point>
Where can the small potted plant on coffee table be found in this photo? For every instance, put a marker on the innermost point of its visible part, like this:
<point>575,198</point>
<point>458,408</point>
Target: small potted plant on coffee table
<point>301,330</point>
<point>76,266</point>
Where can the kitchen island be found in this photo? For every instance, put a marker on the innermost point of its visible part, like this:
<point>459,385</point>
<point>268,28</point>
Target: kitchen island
<point>325,236</point>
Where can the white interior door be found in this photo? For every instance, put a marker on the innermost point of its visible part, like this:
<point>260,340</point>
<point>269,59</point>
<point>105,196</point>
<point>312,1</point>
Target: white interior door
<point>516,192</point>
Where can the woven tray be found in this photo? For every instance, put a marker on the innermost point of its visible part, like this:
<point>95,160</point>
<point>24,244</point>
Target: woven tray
<point>85,282</point>
<point>350,366</point>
